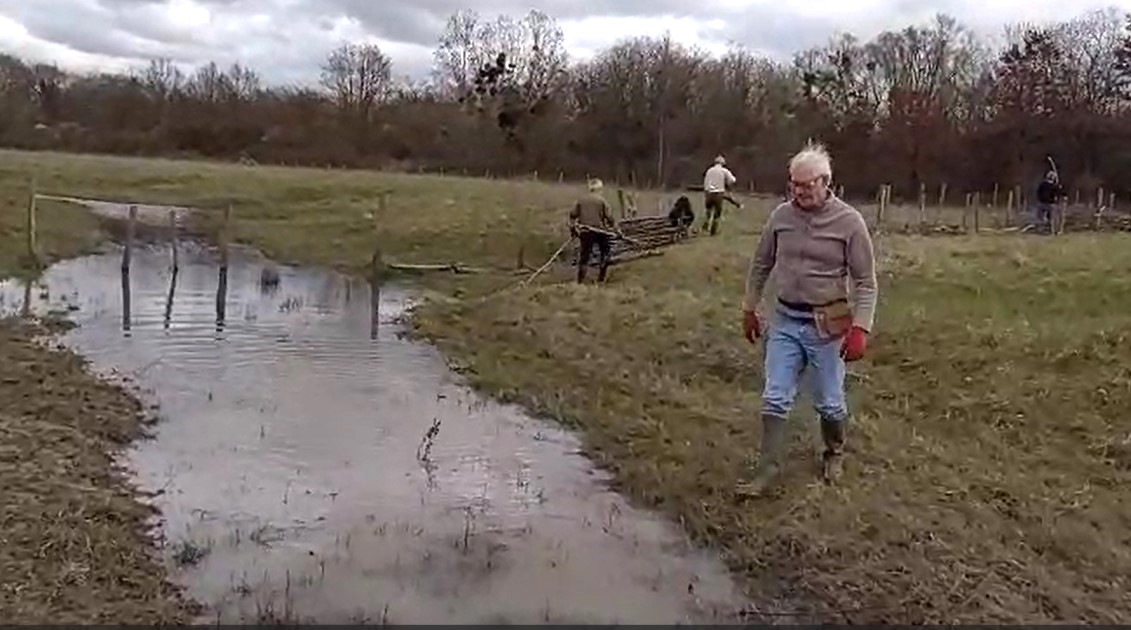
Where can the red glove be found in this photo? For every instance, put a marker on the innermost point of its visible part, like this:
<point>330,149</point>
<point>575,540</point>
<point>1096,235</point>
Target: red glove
<point>751,327</point>
<point>855,343</point>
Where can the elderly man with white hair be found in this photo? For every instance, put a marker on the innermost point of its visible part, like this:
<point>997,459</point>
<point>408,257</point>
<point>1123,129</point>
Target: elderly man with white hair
<point>814,243</point>
<point>715,183</point>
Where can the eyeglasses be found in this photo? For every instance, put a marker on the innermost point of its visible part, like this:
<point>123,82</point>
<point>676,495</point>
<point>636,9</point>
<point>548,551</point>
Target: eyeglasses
<point>806,185</point>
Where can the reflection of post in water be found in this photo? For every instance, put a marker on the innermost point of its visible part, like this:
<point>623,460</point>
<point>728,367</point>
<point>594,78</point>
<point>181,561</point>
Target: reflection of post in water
<point>374,310</point>
<point>169,298</point>
<point>127,256</point>
<point>222,287</point>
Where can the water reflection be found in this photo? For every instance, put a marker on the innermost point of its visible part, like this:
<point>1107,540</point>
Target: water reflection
<point>172,294</point>
<point>336,478</point>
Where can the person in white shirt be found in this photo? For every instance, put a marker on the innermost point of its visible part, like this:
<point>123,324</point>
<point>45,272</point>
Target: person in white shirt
<point>715,184</point>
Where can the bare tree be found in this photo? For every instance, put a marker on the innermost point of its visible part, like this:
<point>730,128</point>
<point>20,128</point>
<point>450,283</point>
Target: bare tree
<point>460,54</point>
<point>358,76</point>
<point>163,79</point>
<point>208,84</point>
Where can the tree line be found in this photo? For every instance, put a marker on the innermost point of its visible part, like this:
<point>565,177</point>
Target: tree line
<point>927,104</point>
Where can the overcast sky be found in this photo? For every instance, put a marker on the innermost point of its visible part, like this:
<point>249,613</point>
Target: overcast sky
<point>286,40</point>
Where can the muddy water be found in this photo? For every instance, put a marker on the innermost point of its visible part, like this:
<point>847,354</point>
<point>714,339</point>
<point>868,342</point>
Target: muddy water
<point>313,465</point>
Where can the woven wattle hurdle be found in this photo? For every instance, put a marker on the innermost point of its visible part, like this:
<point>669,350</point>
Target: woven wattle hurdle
<point>646,234</point>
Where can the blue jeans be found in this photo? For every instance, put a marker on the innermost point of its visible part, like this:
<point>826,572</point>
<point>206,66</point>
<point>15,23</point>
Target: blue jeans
<point>792,345</point>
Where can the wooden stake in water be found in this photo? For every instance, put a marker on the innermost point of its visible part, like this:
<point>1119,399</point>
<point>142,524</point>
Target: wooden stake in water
<point>222,285</point>
<point>374,307</point>
<point>32,245</point>
<point>376,266</point>
<point>131,225</point>
<point>173,239</point>
<point>127,259</point>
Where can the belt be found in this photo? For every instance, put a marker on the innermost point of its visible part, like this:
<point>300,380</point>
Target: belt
<point>806,308</point>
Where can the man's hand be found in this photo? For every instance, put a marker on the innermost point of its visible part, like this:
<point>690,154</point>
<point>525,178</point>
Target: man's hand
<point>855,344</point>
<point>751,325</point>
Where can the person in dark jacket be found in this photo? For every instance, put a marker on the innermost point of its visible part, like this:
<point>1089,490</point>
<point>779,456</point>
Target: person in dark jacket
<point>681,214</point>
<point>1049,194</point>
<point>591,219</point>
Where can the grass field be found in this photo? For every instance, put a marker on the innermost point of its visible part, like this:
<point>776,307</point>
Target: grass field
<point>989,452</point>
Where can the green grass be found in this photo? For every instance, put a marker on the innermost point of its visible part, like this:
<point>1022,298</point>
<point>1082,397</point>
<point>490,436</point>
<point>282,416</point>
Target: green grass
<point>989,452</point>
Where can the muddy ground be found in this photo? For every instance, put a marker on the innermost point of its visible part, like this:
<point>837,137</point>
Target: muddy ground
<point>73,541</point>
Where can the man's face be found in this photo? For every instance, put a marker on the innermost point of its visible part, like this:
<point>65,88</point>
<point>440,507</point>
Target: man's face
<point>809,190</point>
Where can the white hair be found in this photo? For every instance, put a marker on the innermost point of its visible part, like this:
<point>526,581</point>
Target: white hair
<point>595,185</point>
<point>815,157</point>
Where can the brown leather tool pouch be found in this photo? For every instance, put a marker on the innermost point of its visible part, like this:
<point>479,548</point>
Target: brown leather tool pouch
<point>833,320</point>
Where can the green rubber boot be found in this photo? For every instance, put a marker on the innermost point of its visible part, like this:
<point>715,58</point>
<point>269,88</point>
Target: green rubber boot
<point>769,459</point>
<point>832,460</point>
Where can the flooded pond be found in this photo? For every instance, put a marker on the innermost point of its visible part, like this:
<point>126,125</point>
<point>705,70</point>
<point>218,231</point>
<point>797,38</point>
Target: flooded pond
<point>314,465</point>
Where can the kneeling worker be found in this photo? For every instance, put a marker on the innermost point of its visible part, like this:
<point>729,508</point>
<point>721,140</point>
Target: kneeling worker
<point>817,243</point>
<point>591,221</point>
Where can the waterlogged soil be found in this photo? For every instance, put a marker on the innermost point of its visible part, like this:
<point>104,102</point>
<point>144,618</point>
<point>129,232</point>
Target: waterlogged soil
<point>311,464</point>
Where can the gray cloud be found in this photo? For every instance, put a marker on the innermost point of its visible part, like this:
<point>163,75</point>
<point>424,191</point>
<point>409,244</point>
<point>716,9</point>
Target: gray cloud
<point>286,40</point>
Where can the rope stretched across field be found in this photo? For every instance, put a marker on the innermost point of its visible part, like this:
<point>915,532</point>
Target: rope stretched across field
<point>548,262</point>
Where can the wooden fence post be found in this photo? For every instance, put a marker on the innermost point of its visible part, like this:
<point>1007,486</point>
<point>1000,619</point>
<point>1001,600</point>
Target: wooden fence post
<point>942,194</point>
<point>173,239</point>
<point>1009,209</point>
<point>176,269</point>
<point>524,230</point>
<point>977,212</point>
<point>993,203</point>
<point>881,207</point>
<point>1111,201</point>
<point>966,212</point>
<point>1100,197</point>
<point>1077,197</point>
<point>131,224</point>
<point>620,200</point>
<point>127,259</point>
<point>32,244</point>
<point>922,204</point>
<point>222,286</point>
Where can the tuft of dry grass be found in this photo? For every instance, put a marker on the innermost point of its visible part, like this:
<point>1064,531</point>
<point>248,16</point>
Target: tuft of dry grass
<point>988,451</point>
